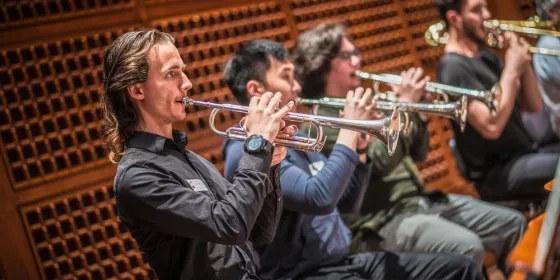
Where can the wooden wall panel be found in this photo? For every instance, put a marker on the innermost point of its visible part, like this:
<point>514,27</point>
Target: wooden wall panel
<point>78,236</point>
<point>56,180</point>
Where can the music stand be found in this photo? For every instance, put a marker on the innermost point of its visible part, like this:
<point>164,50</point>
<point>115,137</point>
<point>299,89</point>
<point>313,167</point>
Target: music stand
<point>546,265</point>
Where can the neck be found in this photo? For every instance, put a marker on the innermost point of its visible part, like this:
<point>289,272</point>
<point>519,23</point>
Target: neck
<point>334,90</point>
<point>152,126</point>
<point>461,44</point>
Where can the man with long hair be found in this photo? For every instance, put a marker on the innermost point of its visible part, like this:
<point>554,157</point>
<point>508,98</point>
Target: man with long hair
<point>189,221</point>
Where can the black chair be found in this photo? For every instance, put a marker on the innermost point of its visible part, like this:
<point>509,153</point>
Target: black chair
<point>530,206</point>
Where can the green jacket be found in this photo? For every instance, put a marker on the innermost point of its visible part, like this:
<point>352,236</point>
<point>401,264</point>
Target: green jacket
<point>395,184</point>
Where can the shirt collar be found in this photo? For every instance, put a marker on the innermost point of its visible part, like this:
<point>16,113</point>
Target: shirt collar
<point>156,143</point>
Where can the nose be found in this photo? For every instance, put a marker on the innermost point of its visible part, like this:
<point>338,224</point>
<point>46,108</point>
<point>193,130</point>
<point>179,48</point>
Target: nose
<point>186,85</point>
<point>486,14</point>
<point>296,88</point>
<point>355,60</point>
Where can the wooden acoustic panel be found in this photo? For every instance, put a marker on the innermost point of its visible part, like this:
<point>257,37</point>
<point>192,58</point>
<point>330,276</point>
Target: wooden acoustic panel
<point>79,236</point>
<point>50,119</point>
<point>14,13</point>
<point>376,27</point>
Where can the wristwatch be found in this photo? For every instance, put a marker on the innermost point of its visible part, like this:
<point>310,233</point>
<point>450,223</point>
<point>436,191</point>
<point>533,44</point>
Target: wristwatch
<point>256,144</point>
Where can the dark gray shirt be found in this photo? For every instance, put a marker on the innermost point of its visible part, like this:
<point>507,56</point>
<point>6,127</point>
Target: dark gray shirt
<point>190,221</point>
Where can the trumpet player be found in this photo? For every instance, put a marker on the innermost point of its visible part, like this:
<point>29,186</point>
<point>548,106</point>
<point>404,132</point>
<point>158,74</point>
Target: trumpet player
<point>312,241</point>
<point>547,67</point>
<point>397,213</point>
<point>501,153</point>
<point>189,221</point>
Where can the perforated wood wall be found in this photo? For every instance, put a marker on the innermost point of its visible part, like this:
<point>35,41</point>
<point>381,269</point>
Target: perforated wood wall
<point>56,201</point>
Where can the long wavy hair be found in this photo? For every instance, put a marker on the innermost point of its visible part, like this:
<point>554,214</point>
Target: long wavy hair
<point>125,63</point>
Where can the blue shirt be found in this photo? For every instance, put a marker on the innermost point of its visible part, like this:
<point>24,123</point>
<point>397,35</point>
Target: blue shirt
<point>547,70</point>
<point>311,232</point>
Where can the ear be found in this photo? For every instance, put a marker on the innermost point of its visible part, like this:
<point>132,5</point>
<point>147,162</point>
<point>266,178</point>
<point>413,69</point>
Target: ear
<point>453,18</point>
<point>254,88</point>
<point>136,92</point>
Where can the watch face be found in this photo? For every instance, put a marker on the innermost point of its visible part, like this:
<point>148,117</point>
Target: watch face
<point>254,143</point>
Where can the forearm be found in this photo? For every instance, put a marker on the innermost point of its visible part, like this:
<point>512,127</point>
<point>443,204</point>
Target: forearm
<point>348,138</point>
<point>318,194</point>
<point>531,99</point>
<point>510,85</point>
<point>264,229</point>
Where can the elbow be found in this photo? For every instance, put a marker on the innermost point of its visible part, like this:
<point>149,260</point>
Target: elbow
<point>491,132</point>
<point>324,209</point>
<point>263,239</point>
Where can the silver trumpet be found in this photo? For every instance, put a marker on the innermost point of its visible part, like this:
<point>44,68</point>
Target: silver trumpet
<point>387,129</point>
<point>488,97</point>
<point>455,110</point>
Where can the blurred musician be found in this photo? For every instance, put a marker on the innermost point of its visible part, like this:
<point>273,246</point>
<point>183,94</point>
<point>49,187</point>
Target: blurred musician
<point>547,67</point>
<point>396,206</point>
<point>312,241</point>
<point>189,221</point>
<point>501,156</point>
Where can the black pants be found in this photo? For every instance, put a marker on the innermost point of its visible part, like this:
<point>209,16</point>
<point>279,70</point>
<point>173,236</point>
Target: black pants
<point>383,265</point>
<point>525,176</point>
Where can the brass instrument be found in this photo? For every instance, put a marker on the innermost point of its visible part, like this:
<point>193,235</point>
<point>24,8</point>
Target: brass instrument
<point>488,97</point>
<point>456,110</point>
<point>387,129</point>
<point>532,27</point>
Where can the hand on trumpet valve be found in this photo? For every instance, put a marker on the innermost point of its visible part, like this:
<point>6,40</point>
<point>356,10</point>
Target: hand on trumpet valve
<point>412,86</point>
<point>263,117</point>
<point>360,105</point>
<point>518,55</point>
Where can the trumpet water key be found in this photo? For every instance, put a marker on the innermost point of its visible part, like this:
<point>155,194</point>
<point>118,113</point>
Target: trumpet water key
<point>387,129</point>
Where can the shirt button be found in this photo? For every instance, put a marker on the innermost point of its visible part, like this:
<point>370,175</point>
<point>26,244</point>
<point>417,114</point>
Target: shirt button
<point>279,199</point>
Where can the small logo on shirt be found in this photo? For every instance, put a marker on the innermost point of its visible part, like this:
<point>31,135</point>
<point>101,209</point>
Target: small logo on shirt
<point>197,185</point>
<point>316,167</point>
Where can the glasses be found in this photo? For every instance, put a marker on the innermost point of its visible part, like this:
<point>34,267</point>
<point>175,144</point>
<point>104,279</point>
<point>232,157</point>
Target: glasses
<point>346,55</point>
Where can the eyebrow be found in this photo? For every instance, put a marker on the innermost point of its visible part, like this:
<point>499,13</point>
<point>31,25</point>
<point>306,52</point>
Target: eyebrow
<point>286,68</point>
<point>174,66</point>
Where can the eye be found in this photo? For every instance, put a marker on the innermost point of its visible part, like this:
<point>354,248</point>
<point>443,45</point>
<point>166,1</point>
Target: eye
<point>170,74</point>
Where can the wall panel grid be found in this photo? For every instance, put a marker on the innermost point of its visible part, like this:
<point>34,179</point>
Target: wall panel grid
<point>17,12</point>
<point>80,237</point>
<point>50,118</point>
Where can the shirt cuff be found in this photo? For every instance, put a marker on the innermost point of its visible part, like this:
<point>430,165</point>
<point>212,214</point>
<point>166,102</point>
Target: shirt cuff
<point>256,161</point>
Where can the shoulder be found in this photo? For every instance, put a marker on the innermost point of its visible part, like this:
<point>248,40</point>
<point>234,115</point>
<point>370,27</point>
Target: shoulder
<point>548,42</point>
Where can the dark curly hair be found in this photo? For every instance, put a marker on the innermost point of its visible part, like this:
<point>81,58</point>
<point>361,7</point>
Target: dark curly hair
<point>312,54</point>
<point>125,63</point>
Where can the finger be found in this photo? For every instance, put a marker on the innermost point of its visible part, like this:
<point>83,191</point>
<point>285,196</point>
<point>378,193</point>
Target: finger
<point>358,94</point>
<point>417,74</point>
<point>265,99</point>
<point>284,110</point>
<point>273,104</point>
<point>366,98</point>
<point>349,96</point>
<point>290,130</point>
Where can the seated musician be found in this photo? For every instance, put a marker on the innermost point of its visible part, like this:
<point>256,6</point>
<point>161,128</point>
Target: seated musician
<point>312,241</point>
<point>189,221</point>
<point>547,67</point>
<point>501,156</point>
<point>396,206</point>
